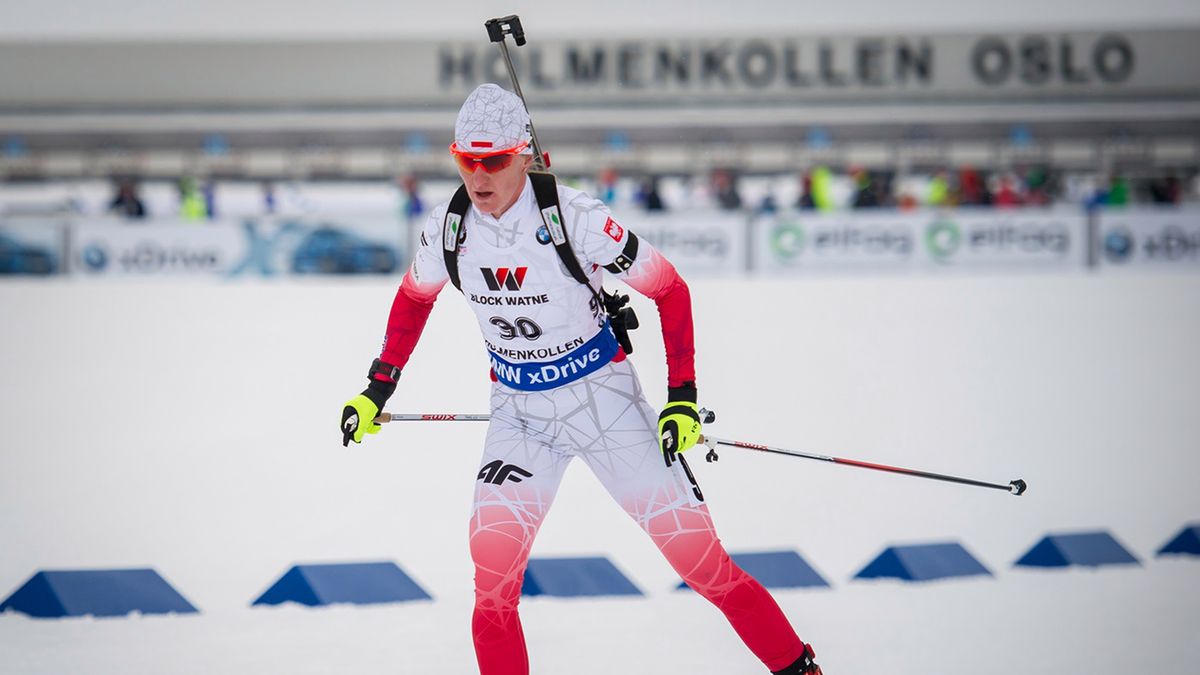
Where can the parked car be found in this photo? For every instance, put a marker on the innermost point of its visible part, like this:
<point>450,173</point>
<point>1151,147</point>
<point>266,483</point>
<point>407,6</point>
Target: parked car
<point>327,250</point>
<point>19,258</point>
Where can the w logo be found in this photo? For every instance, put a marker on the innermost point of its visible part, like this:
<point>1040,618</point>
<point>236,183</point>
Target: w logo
<point>497,472</point>
<point>504,277</point>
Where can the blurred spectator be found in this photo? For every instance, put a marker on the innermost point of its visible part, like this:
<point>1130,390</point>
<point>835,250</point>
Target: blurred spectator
<point>972,191</point>
<point>873,189</point>
<point>939,190</point>
<point>209,191</point>
<point>864,198</point>
<point>725,189</point>
<point>413,206</point>
<point>127,203</point>
<point>822,188</point>
<point>1165,190</point>
<point>768,204</point>
<point>1038,185</point>
<point>608,185</point>
<point>192,205</point>
<point>648,195</point>
<point>270,204</point>
<point>1006,194</point>
<point>1118,191</point>
<point>805,200</point>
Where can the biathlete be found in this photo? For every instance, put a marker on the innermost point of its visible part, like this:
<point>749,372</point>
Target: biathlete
<point>528,256</point>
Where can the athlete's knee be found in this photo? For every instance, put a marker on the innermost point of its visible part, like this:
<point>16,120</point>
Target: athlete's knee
<point>703,564</point>
<point>500,547</point>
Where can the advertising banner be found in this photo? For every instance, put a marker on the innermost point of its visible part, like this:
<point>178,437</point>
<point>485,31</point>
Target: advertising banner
<point>801,241</point>
<point>263,247</point>
<point>698,244</point>
<point>806,241</point>
<point>117,249</point>
<point>1167,238</point>
<point>1015,239</point>
<point>30,247</point>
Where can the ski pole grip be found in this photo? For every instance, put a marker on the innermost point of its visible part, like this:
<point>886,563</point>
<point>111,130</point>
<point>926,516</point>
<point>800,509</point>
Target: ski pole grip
<point>511,25</point>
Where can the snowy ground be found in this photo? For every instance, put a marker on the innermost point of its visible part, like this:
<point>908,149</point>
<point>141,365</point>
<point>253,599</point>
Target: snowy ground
<point>1111,621</point>
<point>190,427</point>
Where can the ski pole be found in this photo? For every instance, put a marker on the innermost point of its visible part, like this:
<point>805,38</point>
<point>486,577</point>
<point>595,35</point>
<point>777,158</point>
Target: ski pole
<point>1016,487</point>
<point>385,417</point>
<point>511,25</point>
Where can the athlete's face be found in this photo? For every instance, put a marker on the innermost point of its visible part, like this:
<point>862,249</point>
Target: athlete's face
<point>494,192</point>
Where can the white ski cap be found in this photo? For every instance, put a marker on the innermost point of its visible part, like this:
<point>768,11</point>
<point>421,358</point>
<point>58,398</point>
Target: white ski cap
<point>492,119</point>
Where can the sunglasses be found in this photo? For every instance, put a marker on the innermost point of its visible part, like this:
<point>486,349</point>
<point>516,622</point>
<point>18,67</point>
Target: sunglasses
<point>491,162</point>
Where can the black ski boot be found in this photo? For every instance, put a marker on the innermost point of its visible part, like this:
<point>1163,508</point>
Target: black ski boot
<point>803,665</point>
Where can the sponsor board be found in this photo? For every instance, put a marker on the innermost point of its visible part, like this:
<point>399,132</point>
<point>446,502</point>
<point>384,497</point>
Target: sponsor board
<point>797,241</point>
<point>968,238</point>
<point>808,241</point>
<point>112,248</point>
<point>118,249</point>
<point>697,243</point>
<point>1165,238</point>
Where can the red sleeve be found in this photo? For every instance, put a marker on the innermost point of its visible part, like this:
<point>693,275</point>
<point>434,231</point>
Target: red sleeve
<point>656,278</point>
<point>410,311</point>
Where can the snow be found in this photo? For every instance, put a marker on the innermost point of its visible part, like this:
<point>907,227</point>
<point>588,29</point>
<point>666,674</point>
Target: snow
<point>190,427</point>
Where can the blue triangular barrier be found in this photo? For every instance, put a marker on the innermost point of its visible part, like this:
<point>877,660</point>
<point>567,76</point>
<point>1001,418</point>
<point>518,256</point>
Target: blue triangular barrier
<point>776,569</point>
<point>1091,549</point>
<point>58,593</point>
<point>572,577</point>
<point>332,583</point>
<point>1187,542</point>
<point>923,562</point>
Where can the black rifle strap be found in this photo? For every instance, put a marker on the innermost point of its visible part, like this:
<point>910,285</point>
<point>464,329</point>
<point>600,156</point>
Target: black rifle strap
<point>545,190</point>
<point>453,232</point>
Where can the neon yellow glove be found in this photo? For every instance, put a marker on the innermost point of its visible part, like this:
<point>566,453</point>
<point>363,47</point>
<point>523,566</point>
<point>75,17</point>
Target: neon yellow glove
<point>359,413</point>
<point>358,418</point>
<point>679,422</point>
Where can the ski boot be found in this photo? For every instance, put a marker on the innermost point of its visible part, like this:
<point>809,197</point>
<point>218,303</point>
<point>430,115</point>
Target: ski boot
<point>803,665</point>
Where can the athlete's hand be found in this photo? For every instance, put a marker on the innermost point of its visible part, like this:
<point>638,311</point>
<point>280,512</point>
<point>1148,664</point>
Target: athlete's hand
<point>359,413</point>
<point>679,422</point>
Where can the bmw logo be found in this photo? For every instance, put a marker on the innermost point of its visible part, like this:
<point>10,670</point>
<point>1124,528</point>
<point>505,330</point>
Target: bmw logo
<point>543,235</point>
<point>1118,245</point>
<point>94,257</point>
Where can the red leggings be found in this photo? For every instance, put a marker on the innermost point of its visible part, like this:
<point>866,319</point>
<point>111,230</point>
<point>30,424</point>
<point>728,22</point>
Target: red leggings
<point>533,436</point>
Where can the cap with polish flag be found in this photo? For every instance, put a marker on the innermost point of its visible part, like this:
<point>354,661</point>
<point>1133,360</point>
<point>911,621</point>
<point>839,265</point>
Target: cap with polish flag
<point>490,120</point>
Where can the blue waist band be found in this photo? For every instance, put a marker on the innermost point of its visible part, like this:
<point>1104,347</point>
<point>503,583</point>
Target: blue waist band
<point>582,361</point>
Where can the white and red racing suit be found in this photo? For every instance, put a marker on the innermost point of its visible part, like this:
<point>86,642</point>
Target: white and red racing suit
<point>562,388</point>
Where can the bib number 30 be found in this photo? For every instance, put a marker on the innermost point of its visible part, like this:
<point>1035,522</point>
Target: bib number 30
<point>523,326</point>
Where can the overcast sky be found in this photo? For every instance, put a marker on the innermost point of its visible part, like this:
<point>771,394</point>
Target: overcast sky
<point>155,19</point>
